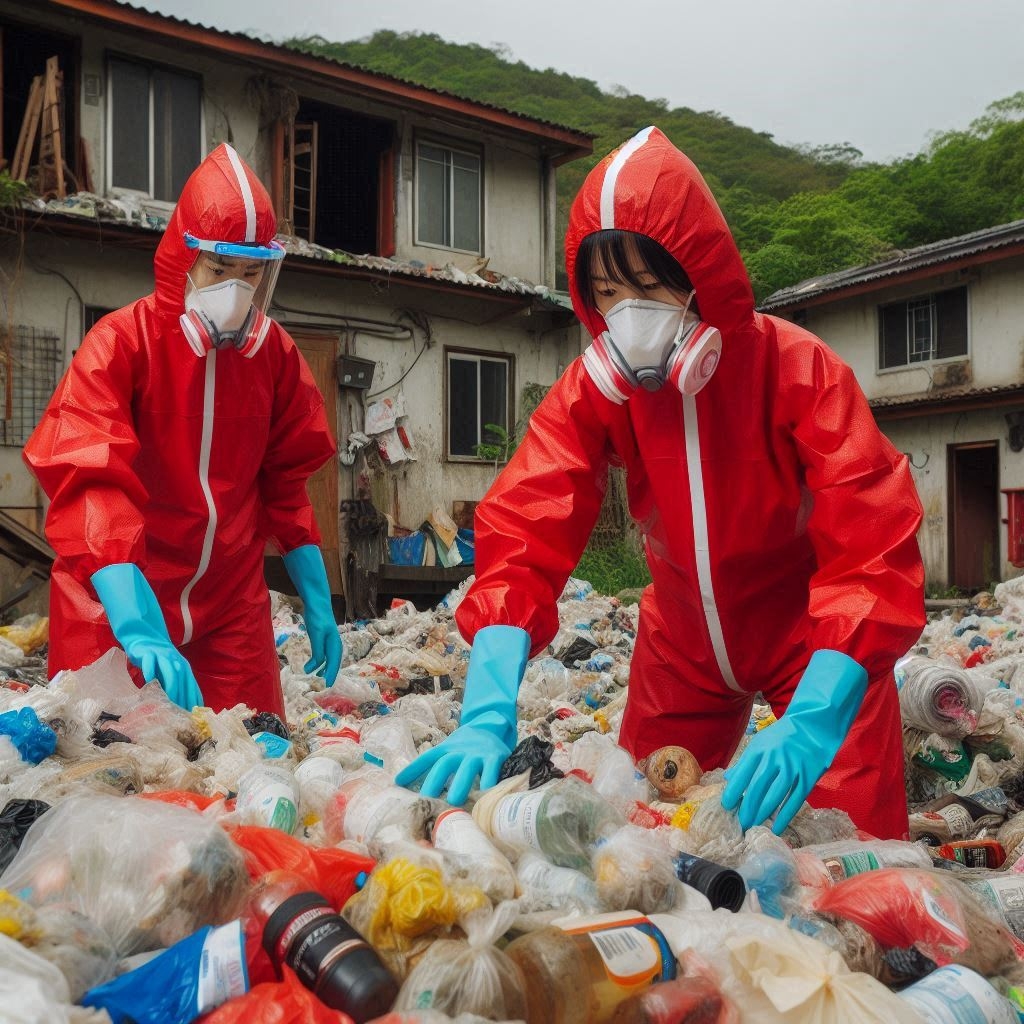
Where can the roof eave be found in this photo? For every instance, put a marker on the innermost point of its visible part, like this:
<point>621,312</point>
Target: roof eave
<point>564,143</point>
<point>884,279</point>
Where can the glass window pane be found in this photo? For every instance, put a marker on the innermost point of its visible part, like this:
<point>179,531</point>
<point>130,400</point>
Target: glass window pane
<point>431,203</point>
<point>493,394</point>
<point>951,323</point>
<point>176,132</point>
<point>462,406</point>
<point>919,328</point>
<point>892,326</point>
<point>466,161</point>
<point>129,105</point>
<point>434,153</point>
<point>466,197</point>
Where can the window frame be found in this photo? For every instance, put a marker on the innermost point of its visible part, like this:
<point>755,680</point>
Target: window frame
<point>150,66</point>
<point>478,355</point>
<point>464,149</point>
<point>906,303</point>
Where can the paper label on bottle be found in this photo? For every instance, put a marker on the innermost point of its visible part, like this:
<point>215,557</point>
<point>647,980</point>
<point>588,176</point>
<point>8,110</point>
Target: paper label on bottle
<point>958,818</point>
<point>1005,894</point>
<point>939,914</point>
<point>847,865</point>
<point>515,819</point>
<point>630,956</point>
<point>222,970</point>
<point>270,801</point>
<point>957,995</point>
<point>456,831</point>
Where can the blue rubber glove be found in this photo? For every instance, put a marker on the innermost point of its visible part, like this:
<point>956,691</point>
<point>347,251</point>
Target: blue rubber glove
<point>306,568</point>
<point>487,727</point>
<point>138,623</point>
<point>782,763</point>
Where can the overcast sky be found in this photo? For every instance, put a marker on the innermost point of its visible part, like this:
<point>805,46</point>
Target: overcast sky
<point>882,75</point>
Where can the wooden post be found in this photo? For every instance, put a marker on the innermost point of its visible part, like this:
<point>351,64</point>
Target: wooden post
<point>27,135</point>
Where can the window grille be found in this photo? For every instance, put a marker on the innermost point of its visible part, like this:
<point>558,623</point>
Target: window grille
<point>30,365</point>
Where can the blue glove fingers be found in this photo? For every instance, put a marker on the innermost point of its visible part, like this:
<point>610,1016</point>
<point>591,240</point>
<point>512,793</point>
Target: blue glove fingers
<point>791,806</point>
<point>334,655</point>
<point>768,773</point>
<point>491,771</point>
<point>146,663</point>
<point>738,778</point>
<point>420,766</point>
<point>437,778</point>
<point>465,776</point>
<point>780,788</point>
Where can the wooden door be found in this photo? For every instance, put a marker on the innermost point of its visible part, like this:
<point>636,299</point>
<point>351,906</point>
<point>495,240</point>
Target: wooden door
<point>320,351</point>
<point>973,483</point>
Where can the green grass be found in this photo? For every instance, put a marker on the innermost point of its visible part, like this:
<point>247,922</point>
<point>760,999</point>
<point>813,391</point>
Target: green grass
<point>612,567</point>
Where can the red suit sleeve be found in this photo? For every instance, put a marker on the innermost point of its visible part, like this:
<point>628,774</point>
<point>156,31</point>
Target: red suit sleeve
<point>82,453</point>
<point>300,443</point>
<point>867,595</point>
<point>534,522</point>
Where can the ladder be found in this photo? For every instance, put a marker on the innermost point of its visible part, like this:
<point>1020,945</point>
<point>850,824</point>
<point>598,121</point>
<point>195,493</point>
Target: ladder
<point>43,116</point>
<point>300,160</point>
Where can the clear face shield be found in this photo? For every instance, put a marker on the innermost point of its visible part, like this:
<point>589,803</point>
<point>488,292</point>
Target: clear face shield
<point>228,293</point>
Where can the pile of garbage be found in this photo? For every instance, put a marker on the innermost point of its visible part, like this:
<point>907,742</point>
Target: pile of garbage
<point>164,866</point>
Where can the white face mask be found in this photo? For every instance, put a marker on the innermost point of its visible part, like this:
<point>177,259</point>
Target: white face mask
<point>644,332</point>
<point>226,304</point>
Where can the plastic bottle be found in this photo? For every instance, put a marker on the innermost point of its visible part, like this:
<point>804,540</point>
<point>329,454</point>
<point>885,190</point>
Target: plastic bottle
<point>682,1001</point>
<point>318,779</point>
<point>370,809</point>
<point>848,857</point>
<point>581,970</point>
<point>563,819</point>
<point>457,834</point>
<point>301,929</point>
<point>957,995</point>
<point>1005,894</point>
<point>268,795</point>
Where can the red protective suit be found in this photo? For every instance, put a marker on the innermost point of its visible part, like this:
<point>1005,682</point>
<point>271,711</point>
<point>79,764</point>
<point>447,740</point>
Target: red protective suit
<point>777,518</point>
<point>183,465</point>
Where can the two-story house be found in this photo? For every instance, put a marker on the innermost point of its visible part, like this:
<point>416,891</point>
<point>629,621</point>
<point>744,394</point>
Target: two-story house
<point>420,228</point>
<point>935,336</point>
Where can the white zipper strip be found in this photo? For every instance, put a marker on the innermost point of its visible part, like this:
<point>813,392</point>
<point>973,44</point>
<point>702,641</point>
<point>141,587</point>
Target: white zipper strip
<point>612,176</point>
<point>247,196</point>
<point>701,545</point>
<point>204,482</point>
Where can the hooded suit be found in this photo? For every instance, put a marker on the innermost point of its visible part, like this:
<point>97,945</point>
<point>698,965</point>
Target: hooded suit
<point>777,519</point>
<point>183,465</point>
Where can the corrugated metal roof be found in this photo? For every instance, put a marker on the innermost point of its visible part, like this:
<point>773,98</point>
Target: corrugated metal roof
<point>900,263</point>
<point>285,50</point>
<point>85,207</point>
<point>950,395</point>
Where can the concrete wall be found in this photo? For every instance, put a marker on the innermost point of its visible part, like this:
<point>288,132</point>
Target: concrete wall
<point>995,358</point>
<point>995,317</point>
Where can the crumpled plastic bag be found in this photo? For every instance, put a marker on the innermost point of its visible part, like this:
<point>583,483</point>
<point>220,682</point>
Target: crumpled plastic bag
<point>277,1002</point>
<point>811,984</point>
<point>148,873</point>
<point>469,975</point>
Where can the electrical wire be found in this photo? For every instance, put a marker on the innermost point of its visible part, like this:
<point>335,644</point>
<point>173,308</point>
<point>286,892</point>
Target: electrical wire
<point>357,324</point>
<point>423,348</point>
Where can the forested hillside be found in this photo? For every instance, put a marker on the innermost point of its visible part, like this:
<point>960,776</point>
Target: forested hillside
<point>795,212</point>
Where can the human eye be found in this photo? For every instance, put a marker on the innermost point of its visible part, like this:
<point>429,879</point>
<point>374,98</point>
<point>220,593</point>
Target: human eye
<point>605,292</point>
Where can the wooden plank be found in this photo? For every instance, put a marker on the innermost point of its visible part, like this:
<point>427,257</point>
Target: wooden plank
<point>51,136</point>
<point>27,135</point>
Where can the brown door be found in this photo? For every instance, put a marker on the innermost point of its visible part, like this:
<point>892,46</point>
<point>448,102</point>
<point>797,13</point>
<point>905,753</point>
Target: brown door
<point>973,479</point>
<point>320,351</point>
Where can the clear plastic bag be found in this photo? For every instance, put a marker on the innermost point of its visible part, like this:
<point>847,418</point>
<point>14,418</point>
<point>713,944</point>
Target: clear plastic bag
<point>633,870</point>
<point>148,873</point>
<point>469,975</point>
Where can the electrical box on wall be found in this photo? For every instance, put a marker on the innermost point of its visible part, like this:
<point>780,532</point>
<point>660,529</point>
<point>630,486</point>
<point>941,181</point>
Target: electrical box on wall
<point>354,372</point>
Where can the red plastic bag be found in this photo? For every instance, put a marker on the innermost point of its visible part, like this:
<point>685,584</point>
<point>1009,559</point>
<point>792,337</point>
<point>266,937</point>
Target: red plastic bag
<point>332,872</point>
<point>183,798</point>
<point>277,1002</point>
<point>931,910</point>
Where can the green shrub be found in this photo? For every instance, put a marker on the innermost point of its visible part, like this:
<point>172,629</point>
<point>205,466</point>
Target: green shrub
<point>615,566</point>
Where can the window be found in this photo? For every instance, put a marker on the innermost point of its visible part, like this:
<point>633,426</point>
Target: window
<point>478,395</point>
<point>922,329</point>
<point>30,366</point>
<point>447,197</point>
<point>154,128</point>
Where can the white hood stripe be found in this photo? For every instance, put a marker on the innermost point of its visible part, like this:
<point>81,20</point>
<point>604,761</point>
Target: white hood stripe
<point>612,175</point>
<point>247,196</point>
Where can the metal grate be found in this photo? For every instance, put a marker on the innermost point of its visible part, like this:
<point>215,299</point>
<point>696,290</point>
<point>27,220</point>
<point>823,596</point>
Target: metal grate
<point>30,364</point>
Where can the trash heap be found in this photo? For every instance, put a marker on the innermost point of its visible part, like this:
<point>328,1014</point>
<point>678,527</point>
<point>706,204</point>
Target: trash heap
<point>161,866</point>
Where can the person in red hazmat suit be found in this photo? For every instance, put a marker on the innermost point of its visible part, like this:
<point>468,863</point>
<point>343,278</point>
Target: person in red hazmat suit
<point>178,442</point>
<point>779,523</point>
